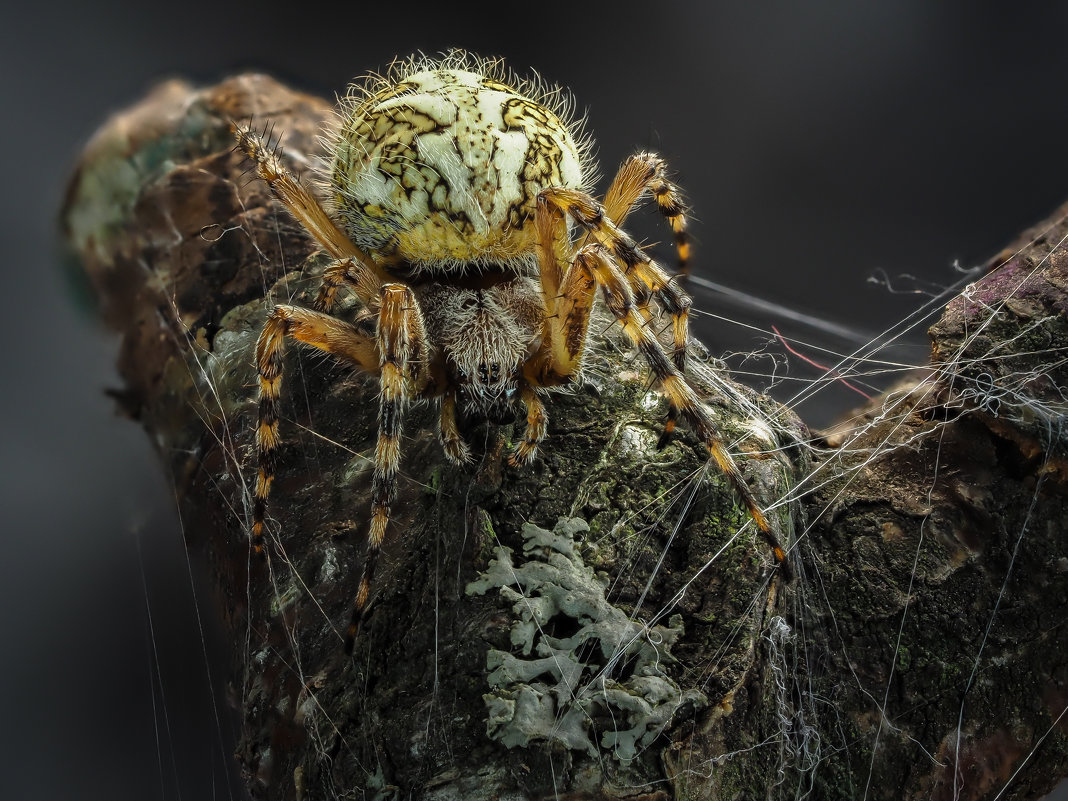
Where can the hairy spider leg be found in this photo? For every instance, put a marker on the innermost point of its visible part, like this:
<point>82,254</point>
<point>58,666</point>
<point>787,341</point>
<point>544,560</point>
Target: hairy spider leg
<point>602,263</point>
<point>620,301</point>
<point>537,422</point>
<point>559,357</point>
<point>647,279</point>
<point>647,172</point>
<point>452,442</point>
<point>338,338</point>
<point>567,294</point>
<point>400,347</point>
<point>346,273</point>
<point>403,368</point>
<point>567,298</point>
<point>360,271</point>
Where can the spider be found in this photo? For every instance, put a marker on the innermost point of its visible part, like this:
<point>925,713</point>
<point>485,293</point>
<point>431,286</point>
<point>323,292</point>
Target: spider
<point>456,208</point>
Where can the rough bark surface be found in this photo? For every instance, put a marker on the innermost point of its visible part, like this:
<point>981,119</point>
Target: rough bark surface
<point>929,534</point>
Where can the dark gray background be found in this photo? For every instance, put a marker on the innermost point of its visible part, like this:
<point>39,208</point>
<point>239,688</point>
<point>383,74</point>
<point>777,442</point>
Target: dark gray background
<point>819,143</point>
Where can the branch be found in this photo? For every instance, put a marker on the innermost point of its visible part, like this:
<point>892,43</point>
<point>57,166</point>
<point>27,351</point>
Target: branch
<point>604,624</point>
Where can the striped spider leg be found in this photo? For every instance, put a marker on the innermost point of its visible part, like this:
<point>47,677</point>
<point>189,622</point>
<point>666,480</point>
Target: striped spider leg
<point>629,280</point>
<point>394,349</point>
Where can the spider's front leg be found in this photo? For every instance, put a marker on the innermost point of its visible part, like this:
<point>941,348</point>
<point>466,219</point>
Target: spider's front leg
<point>567,290</point>
<point>567,298</point>
<point>647,280</point>
<point>328,334</point>
<point>403,370</point>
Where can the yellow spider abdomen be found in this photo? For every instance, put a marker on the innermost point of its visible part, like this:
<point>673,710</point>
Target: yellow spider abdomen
<point>441,165</point>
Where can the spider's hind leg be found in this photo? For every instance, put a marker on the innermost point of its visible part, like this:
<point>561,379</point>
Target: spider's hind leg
<point>360,270</point>
<point>683,399</point>
<point>646,172</point>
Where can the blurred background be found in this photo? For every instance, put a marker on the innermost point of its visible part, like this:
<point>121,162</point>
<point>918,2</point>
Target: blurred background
<point>839,158</point>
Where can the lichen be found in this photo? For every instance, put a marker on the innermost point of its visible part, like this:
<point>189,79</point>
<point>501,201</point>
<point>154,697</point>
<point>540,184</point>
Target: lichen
<point>604,667</point>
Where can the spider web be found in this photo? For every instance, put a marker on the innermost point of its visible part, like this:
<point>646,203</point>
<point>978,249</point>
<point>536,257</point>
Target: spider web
<point>809,729</point>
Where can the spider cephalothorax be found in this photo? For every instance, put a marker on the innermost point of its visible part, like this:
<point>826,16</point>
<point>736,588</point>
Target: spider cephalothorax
<point>455,206</point>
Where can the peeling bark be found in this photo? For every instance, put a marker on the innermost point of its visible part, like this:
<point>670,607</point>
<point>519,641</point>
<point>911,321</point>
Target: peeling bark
<point>960,473</point>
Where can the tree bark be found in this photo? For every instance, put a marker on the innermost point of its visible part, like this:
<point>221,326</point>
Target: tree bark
<point>920,652</point>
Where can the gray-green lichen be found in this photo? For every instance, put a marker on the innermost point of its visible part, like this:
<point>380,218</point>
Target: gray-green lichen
<point>577,660</point>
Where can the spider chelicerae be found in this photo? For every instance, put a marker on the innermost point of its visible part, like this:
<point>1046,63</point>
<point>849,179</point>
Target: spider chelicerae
<point>455,205</point>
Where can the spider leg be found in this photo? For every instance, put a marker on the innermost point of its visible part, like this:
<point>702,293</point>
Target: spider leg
<point>535,430</point>
<point>309,212</point>
<point>598,261</point>
<point>644,275</point>
<point>321,331</point>
<point>402,358</point>
<point>567,321</point>
<point>346,273</point>
<point>567,298</point>
<point>456,449</point>
<point>641,173</point>
<point>648,277</point>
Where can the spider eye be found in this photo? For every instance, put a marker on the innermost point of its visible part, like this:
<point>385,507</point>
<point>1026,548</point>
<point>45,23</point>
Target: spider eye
<point>483,373</point>
<point>495,371</point>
